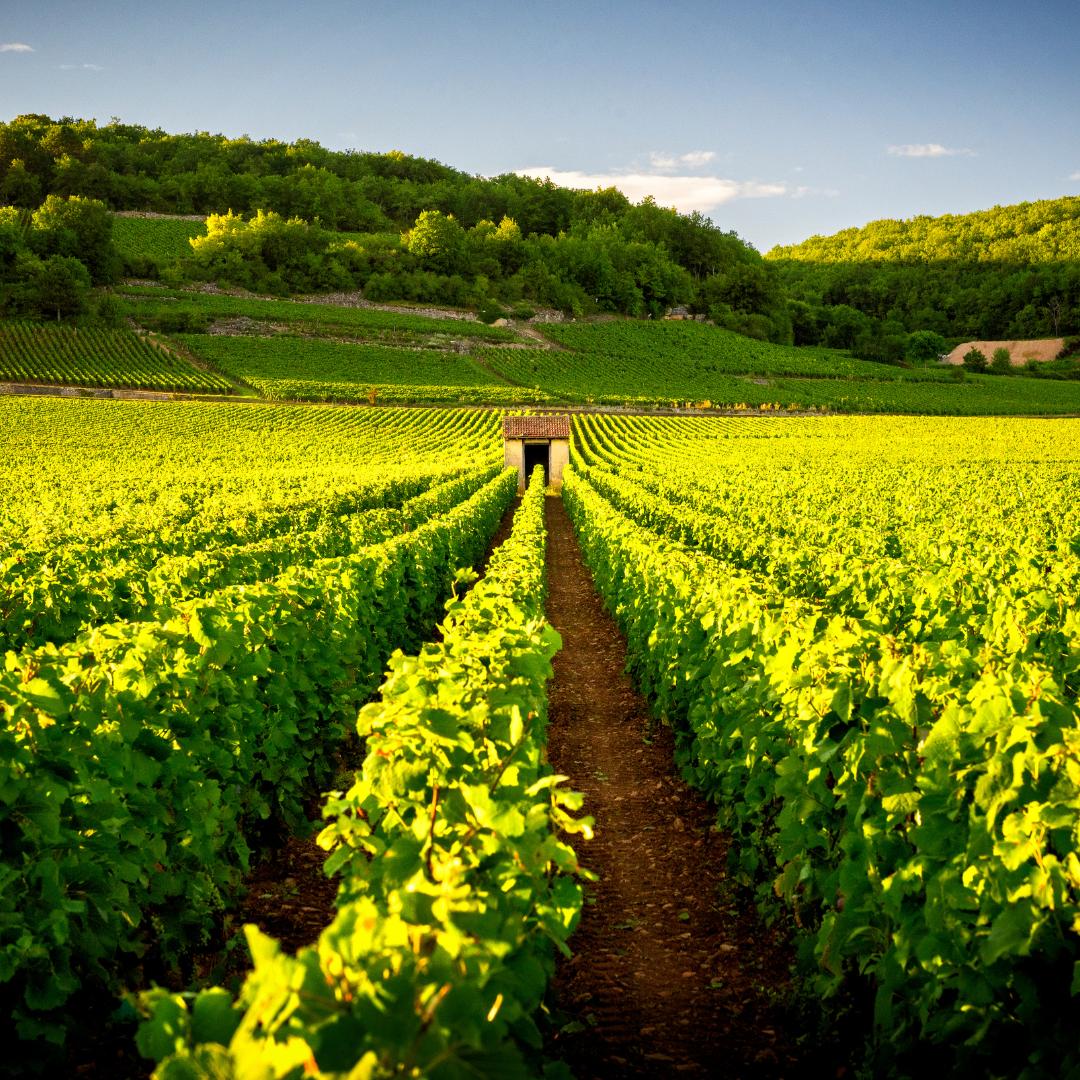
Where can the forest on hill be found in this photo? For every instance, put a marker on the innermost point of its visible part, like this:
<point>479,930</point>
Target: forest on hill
<point>299,217</point>
<point>1007,272</point>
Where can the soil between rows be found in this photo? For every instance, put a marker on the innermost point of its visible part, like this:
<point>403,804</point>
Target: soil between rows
<point>670,972</point>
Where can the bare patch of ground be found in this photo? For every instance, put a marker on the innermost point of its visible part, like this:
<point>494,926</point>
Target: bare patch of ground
<point>356,300</point>
<point>536,336</point>
<point>1020,352</point>
<point>242,326</point>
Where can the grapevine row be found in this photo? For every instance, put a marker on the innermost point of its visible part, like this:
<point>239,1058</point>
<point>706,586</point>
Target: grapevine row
<point>456,887</point>
<point>138,759</point>
<point>94,357</point>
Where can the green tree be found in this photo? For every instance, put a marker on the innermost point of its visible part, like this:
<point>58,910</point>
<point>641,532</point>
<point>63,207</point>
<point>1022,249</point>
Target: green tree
<point>437,240</point>
<point>805,325</point>
<point>77,227</point>
<point>62,286</point>
<point>845,326</point>
<point>20,186</point>
<point>1001,361</point>
<point>924,346</point>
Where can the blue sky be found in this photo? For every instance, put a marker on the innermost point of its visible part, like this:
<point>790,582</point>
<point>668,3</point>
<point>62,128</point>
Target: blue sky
<point>778,120</point>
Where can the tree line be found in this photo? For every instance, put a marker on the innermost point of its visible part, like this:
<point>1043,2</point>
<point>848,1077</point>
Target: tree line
<point>504,240</point>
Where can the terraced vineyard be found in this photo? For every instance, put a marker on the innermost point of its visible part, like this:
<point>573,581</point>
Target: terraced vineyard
<point>298,351</point>
<point>865,633</point>
<point>149,304</point>
<point>307,369</point>
<point>64,355</point>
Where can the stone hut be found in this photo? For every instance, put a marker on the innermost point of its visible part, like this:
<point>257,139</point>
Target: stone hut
<point>537,440</point>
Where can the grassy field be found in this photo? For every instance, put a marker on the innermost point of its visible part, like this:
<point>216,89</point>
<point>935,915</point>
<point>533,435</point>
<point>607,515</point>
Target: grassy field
<point>162,239</point>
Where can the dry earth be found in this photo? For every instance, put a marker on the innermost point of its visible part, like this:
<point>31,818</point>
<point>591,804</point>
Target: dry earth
<point>1020,352</point>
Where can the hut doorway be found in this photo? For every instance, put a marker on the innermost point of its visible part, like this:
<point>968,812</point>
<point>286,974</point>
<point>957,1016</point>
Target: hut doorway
<point>537,453</point>
<point>529,441</point>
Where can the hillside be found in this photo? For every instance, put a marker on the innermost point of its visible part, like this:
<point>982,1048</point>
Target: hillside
<point>297,217</point>
<point>94,209</point>
<point>1012,272</point>
<point>1028,232</point>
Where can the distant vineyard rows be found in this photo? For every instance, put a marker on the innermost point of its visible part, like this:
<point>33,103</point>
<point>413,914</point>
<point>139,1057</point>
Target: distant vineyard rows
<point>66,355</point>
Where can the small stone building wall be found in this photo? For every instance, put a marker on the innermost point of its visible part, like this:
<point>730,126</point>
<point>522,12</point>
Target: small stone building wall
<point>560,458</point>
<point>550,431</point>
<point>514,455</point>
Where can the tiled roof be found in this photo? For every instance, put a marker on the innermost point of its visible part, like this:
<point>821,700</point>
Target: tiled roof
<point>536,427</point>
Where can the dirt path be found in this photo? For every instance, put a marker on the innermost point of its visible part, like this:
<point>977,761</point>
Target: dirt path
<point>670,974</point>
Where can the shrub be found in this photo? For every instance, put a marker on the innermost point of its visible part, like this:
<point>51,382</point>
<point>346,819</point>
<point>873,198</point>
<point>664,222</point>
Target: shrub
<point>1001,361</point>
<point>489,311</point>
<point>924,346</point>
<point>975,360</point>
<point>182,322</point>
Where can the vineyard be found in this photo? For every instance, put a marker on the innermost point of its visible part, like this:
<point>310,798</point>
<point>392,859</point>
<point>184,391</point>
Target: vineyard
<point>149,304</point>
<point>64,355</point>
<point>194,627</point>
<point>862,633</point>
<point>678,363</point>
<point>309,369</point>
<point>865,635</point>
<point>287,350</point>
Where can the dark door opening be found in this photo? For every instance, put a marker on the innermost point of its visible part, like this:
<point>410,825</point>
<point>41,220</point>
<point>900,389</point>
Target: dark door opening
<point>537,454</point>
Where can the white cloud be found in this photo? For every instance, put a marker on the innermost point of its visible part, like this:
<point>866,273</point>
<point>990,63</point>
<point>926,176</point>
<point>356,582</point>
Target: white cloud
<point>81,67</point>
<point>685,193</point>
<point>15,46</point>
<point>1075,175</point>
<point>694,159</point>
<point>933,149</point>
